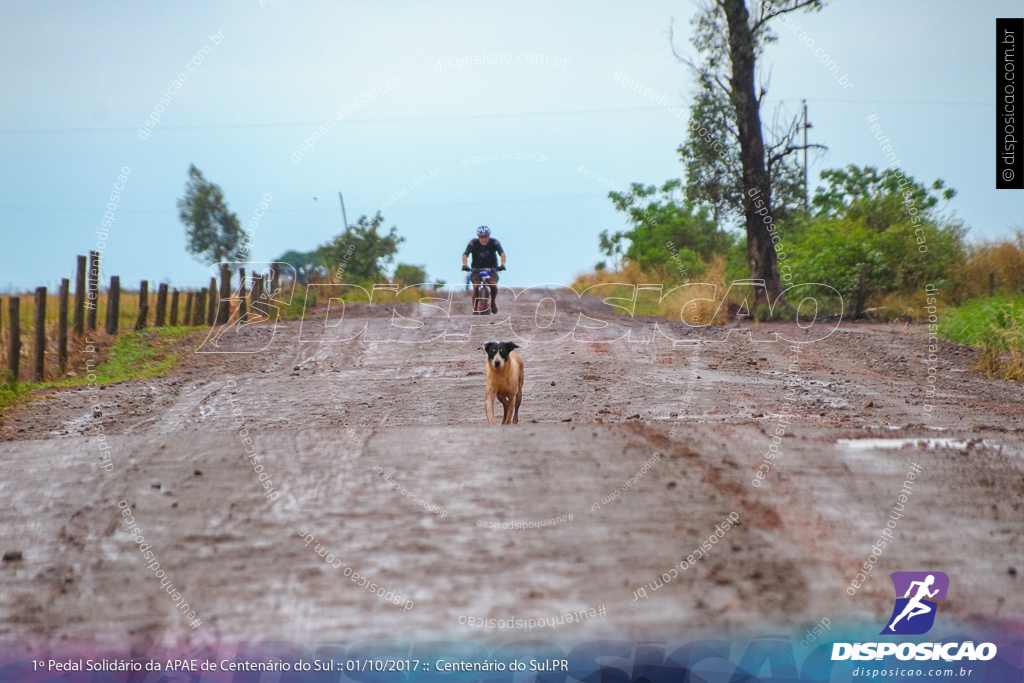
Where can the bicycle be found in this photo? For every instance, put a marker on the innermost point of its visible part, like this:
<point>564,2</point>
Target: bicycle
<point>483,295</point>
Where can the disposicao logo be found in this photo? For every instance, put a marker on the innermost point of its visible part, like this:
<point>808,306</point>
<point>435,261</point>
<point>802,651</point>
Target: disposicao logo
<point>915,614</point>
<point>950,652</point>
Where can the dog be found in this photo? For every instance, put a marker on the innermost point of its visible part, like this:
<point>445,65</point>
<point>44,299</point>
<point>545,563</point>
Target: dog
<point>504,380</point>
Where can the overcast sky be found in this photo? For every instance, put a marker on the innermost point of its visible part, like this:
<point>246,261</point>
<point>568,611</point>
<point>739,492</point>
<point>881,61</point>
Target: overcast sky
<point>79,79</point>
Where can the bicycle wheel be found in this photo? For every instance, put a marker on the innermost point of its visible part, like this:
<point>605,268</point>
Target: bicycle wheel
<point>478,304</point>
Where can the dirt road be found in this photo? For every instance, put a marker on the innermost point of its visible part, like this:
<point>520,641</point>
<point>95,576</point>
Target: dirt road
<point>343,428</point>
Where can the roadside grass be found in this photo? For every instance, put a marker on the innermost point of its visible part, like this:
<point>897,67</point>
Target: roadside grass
<point>142,354</point>
<point>694,303</point>
<point>995,327</point>
<point>700,301</point>
<point>136,355</point>
<point>314,301</point>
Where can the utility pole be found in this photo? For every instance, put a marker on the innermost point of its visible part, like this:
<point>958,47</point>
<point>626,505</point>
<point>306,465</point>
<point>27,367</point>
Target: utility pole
<point>345,218</point>
<point>806,126</point>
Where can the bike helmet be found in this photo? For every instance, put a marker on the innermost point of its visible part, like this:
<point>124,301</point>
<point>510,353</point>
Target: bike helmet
<point>483,231</point>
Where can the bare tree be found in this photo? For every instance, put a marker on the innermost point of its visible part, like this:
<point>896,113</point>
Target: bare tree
<point>731,40</point>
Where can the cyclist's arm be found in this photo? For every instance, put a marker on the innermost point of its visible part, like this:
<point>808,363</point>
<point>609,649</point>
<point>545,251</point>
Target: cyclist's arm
<point>464,260</point>
<point>502,252</point>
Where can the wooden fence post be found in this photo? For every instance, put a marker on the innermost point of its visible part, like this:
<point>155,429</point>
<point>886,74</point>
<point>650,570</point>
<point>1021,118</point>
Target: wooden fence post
<point>211,304</point>
<point>114,305</point>
<point>187,320</point>
<point>39,330</point>
<point>224,305</point>
<point>80,296</point>
<point>199,308</point>
<point>62,327</point>
<point>275,274</point>
<point>140,321</point>
<point>174,308</point>
<point>256,294</point>
<point>266,294</point>
<point>161,305</point>
<point>93,302</point>
<point>242,308</point>
<point>14,338</point>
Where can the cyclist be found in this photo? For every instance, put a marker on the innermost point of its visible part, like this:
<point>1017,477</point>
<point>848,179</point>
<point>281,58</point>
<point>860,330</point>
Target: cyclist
<point>485,250</point>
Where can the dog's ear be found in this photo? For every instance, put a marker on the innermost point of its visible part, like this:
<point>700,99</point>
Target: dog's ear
<point>486,348</point>
<point>514,345</point>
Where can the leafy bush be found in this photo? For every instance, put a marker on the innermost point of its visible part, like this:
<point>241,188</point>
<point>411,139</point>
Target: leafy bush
<point>882,220</point>
<point>407,275</point>
<point>665,225</point>
<point>832,251</point>
<point>301,302</point>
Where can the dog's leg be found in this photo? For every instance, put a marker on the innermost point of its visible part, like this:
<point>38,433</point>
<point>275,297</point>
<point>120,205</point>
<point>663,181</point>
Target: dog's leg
<point>489,407</point>
<point>505,409</point>
<point>519,393</point>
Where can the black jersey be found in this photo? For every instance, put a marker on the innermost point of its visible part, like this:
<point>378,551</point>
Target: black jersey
<point>484,256</point>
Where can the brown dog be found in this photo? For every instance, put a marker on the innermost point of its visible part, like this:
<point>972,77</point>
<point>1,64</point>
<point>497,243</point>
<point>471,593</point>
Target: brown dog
<point>504,381</point>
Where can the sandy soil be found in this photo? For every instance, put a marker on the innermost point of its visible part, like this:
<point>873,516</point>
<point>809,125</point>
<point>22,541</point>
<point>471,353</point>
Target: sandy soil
<point>330,419</point>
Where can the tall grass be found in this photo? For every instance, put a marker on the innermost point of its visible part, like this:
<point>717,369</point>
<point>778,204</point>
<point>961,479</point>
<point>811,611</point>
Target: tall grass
<point>1003,259</point>
<point>305,299</point>
<point>695,304</point>
<point>707,294</point>
<point>994,326</point>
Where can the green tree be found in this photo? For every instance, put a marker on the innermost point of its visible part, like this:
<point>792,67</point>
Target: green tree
<point>664,221</point>
<point>361,253</point>
<point>406,274</point>
<point>213,231</point>
<point>611,246</point>
<point>881,199</point>
<point>304,263</point>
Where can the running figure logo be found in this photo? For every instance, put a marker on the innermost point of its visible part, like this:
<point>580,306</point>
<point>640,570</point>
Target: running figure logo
<point>927,589</point>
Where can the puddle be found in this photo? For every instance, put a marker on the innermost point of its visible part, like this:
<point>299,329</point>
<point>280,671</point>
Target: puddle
<point>895,444</point>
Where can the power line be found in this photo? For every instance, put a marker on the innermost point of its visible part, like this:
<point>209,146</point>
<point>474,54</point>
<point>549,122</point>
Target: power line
<point>914,102</point>
<point>285,124</point>
<point>271,211</point>
<point>316,123</point>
